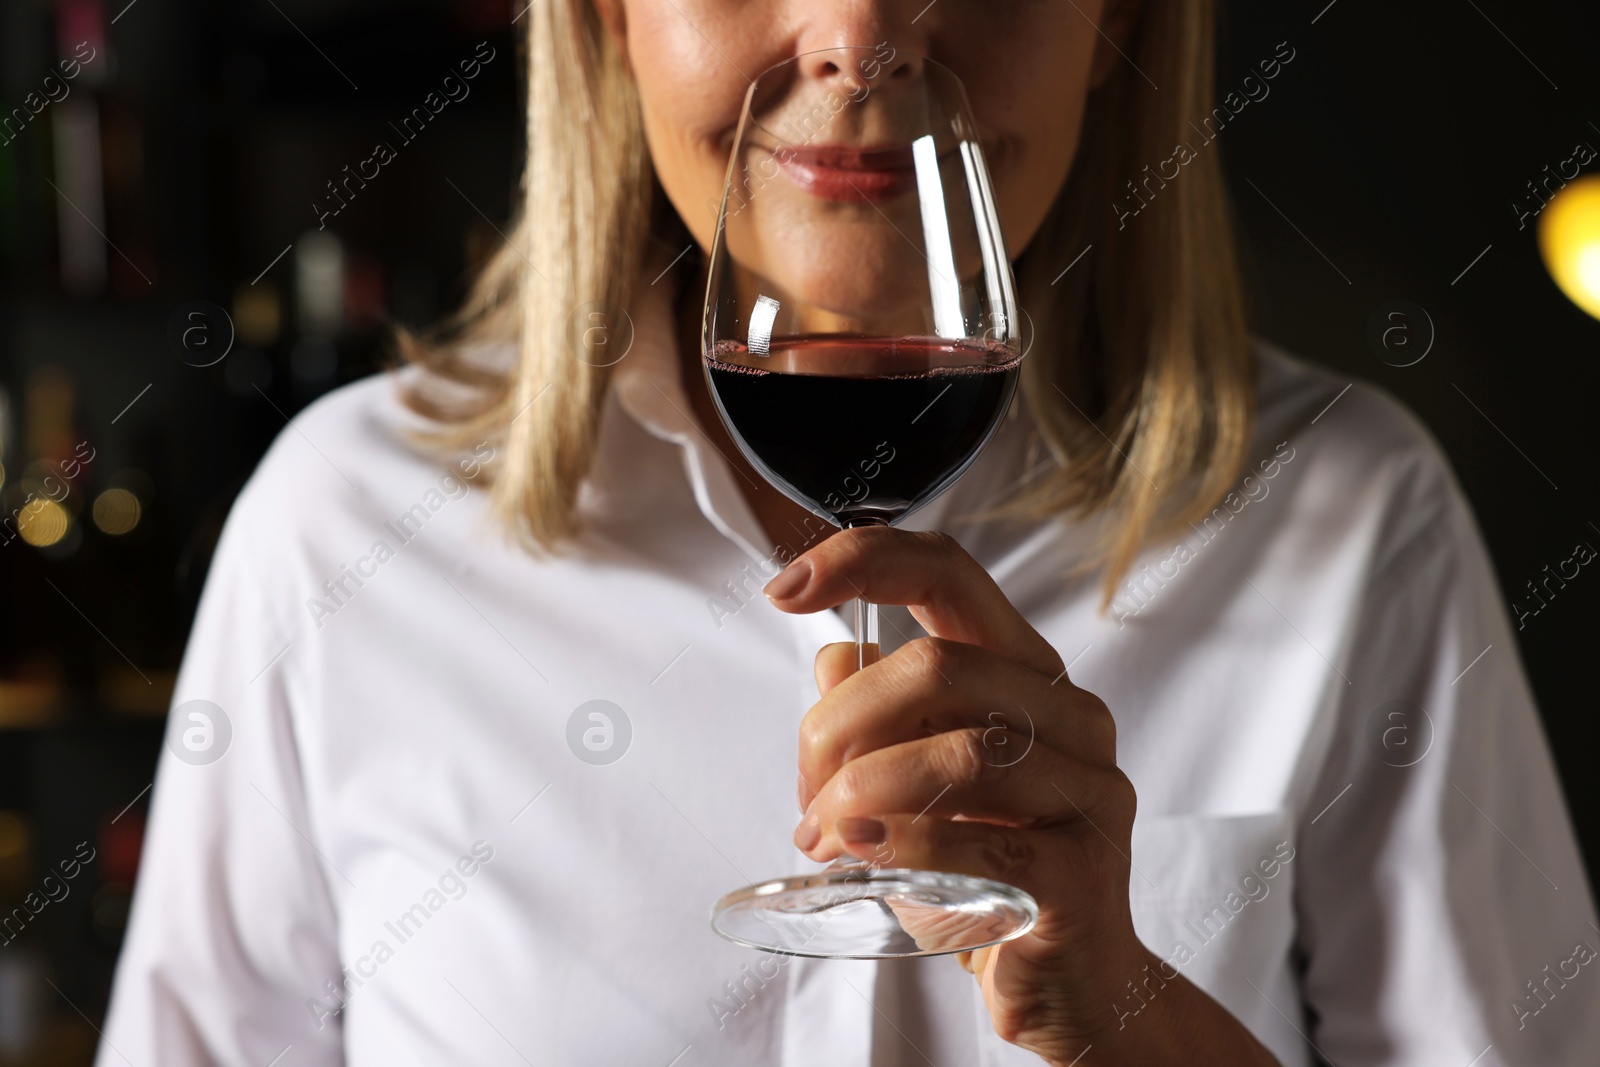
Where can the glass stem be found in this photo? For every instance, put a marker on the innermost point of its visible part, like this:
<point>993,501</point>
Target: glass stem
<point>866,632</point>
<point>866,653</point>
<point>867,650</point>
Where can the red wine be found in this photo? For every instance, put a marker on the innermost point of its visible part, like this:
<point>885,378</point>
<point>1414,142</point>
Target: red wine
<point>863,429</point>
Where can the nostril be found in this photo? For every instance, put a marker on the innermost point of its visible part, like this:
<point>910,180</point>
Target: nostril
<point>828,68</point>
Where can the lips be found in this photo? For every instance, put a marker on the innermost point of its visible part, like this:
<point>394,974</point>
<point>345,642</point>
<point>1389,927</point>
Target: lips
<point>849,173</point>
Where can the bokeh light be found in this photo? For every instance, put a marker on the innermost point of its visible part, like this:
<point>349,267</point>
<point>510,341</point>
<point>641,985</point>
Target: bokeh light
<point>116,511</point>
<point>1569,240</point>
<point>257,314</point>
<point>43,522</point>
<point>13,835</point>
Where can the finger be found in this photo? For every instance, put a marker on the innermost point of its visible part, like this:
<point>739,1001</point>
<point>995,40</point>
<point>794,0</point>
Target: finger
<point>1029,860</point>
<point>834,664</point>
<point>932,685</point>
<point>948,593</point>
<point>946,776</point>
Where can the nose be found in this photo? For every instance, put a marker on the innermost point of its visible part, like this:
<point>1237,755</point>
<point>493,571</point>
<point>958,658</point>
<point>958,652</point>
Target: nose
<point>885,38</point>
<point>876,59</point>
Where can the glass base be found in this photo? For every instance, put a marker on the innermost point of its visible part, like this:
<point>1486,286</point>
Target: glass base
<point>861,912</point>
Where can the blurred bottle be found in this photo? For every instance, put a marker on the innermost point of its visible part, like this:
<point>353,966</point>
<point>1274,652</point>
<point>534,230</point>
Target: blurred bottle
<point>22,969</point>
<point>120,844</point>
<point>9,644</point>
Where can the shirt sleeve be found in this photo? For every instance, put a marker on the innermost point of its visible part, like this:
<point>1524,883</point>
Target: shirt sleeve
<point>1445,914</point>
<point>232,934</point>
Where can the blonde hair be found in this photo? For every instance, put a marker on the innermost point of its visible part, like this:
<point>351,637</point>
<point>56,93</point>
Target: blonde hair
<point>1144,391</point>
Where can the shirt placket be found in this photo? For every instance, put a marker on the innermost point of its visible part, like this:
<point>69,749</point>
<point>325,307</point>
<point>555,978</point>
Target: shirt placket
<point>828,1014</point>
<point>828,1010</point>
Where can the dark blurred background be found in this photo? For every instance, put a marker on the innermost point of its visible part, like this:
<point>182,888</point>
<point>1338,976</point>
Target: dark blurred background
<point>174,175</point>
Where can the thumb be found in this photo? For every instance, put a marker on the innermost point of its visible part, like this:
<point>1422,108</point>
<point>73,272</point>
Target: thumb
<point>838,661</point>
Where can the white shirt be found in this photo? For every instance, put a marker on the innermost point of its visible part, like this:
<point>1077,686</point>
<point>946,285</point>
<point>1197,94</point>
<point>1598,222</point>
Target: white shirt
<point>1349,829</point>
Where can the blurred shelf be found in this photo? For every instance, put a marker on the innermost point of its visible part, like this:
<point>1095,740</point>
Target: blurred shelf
<point>26,704</point>
<point>142,694</point>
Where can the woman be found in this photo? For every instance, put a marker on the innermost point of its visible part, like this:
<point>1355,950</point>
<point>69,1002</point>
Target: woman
<point>478,790</point>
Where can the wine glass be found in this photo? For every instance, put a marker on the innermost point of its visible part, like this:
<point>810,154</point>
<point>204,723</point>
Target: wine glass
<point>861,343</point>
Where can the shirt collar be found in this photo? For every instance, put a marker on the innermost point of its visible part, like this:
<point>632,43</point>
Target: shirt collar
<point>648,386</point>
<point>646,381</point>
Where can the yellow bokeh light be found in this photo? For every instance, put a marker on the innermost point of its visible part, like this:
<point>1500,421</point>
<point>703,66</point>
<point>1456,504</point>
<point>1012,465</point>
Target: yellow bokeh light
<point>256,314</point>
<point>116,511</point>
<point>43,522</point>
<point>13,835</point>
<point>1569,240</point>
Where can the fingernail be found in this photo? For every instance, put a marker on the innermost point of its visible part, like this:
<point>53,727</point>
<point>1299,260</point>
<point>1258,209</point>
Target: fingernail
<point>861,831</point>
<point>791,581</point>
<point>808,833</point>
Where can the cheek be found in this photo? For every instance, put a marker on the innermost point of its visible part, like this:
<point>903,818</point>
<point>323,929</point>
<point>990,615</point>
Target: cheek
<point>684,152</point>
<point>1028,89</point>
<point>690,95</point>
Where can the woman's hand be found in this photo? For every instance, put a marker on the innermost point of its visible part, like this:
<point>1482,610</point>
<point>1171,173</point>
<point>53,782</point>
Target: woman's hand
<point>969,751</point>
